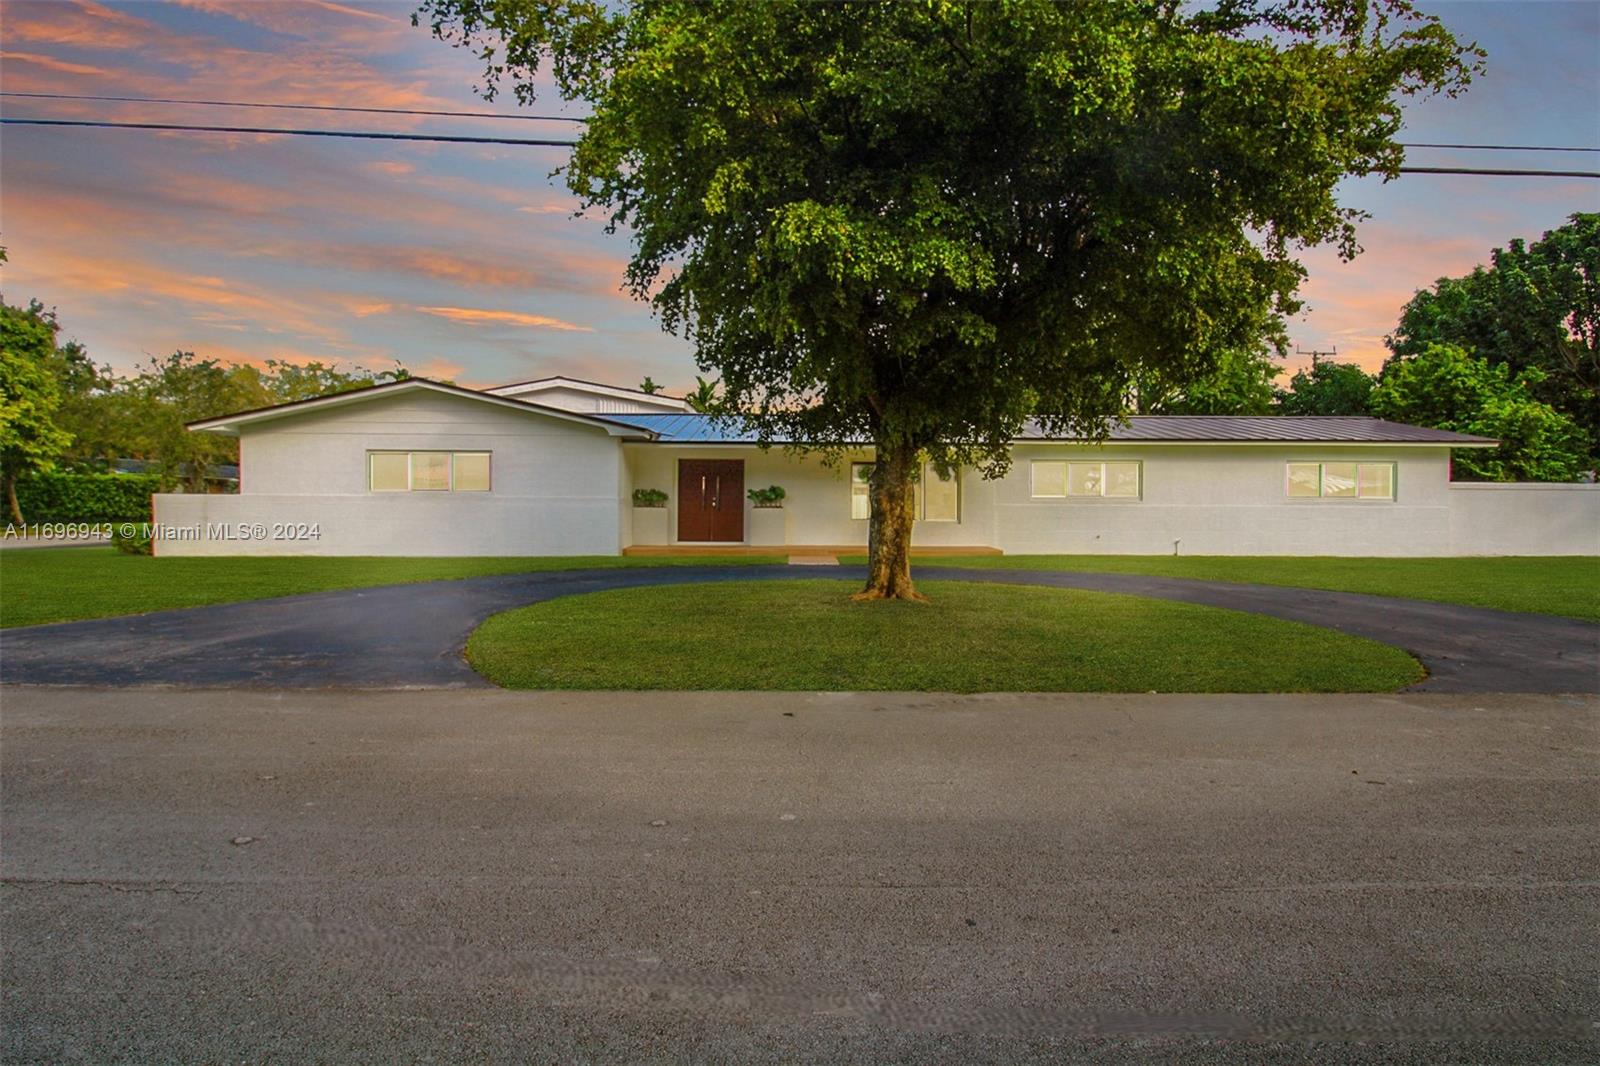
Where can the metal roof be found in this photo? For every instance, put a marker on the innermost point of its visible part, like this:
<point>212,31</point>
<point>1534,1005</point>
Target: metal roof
<point>1173,429</point>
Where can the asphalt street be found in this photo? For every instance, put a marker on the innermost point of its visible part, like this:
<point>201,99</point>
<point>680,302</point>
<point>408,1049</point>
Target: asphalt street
<point>411,636</point>
<point>211,876</point>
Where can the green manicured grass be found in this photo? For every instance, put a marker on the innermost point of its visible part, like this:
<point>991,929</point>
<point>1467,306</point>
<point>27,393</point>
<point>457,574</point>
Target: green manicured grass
<point>1565,585</point>
<point>40,585</point>
<point>804,635</point>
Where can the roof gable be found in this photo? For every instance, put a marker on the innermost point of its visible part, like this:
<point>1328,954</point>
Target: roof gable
<point>228,425</point>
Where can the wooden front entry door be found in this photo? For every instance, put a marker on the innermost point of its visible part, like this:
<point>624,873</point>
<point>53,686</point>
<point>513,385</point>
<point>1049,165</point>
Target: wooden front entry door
<point>711,499</point>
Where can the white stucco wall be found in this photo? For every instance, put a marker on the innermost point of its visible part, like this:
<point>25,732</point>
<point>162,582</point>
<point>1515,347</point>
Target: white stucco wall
<point>555,484</point>
<point>564,488</point>
<point>1229,500</point>
<point>1524,519</point>
<point>818,501</point>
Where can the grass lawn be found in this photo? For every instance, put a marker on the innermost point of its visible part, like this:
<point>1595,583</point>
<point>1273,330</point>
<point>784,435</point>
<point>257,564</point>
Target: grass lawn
<point>799,635</point>
<point>40,585</point>
<point>1565,585</point>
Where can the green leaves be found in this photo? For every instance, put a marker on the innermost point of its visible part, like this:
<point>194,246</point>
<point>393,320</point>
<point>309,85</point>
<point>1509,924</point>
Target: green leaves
<point>923,223</point>
<point>1448,388</point>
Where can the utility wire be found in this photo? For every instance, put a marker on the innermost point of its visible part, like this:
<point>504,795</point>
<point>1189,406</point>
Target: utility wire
<point>1497,147</point>
<point>552,143</point>
<point>298,107</point>
<point>358,134</point>
<point>570,118</point>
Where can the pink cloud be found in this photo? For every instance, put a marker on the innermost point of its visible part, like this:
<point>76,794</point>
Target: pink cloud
<point>480,316</point>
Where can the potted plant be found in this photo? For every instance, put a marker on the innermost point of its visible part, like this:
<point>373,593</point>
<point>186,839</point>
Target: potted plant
<point>769,523</point>
<point>649,498</point>
<point>650,523</point>
<point>771,496</point>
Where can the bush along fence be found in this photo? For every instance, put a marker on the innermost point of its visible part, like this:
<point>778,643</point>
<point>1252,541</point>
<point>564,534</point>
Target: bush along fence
<point>64,497</point>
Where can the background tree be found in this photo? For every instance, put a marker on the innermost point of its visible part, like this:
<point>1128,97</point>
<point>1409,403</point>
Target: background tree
<point>1328,388</point>
<point>1448,388</point>
<point>704,396</point>
<point>1535,306</point>
<point>919,224</point>
<point>1239,383</point>
<point>30,438</point>
<point>648,386</point>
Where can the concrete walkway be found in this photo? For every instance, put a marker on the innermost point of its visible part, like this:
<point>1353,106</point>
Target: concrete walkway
<point>411,636</point>
<point>676,877</point>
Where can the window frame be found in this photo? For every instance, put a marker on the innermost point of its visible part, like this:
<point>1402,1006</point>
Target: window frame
<point>929,471</point>
<point>450,469</point>
<point>1066,492</point>
<point>867,495</point>
<point>1356,497</point>
<point>925,470</point>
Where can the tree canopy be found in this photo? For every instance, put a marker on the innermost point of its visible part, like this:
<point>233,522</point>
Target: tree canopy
<point>918,224</point>
<point>1535,306</point>
<point>31,437</point>
<point>1449,388</point>
<point>1328,388</point>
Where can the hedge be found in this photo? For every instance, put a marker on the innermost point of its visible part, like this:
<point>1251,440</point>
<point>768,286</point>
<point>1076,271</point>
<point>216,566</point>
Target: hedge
<point>63,497</point>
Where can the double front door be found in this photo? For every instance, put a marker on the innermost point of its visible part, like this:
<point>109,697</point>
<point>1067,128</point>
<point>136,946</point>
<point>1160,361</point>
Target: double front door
<point>711,500</point>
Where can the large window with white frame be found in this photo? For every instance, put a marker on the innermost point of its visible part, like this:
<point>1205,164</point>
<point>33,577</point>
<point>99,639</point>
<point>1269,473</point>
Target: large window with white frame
<point>1339,481</point>
<point>428,471</point>
<point>1056,479</point>
<point>938,497</point>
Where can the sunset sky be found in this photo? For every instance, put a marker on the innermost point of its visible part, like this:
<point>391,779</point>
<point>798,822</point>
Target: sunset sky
<point>464,261</point>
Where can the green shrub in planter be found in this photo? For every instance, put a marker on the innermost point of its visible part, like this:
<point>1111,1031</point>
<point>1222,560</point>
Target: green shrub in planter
<point>771,496</point>
<point>649,498</point>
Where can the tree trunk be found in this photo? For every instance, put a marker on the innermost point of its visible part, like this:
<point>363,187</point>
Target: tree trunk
<point>889,539</point>
<point>11,499</point>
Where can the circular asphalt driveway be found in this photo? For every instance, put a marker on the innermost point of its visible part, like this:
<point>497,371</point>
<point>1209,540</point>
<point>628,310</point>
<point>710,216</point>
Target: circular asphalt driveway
<point>411,636</point>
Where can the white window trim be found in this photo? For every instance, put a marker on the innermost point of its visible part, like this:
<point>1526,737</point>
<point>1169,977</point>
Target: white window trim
<point>1323,497</point>
<point>1066,492</point>
<point>854,481</point>
<point>450,467</point>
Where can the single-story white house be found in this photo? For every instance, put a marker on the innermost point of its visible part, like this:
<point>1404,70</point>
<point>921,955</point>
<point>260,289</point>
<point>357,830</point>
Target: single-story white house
<point>550,467</point>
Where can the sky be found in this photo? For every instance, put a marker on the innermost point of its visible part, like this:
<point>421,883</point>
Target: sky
<point>465,261</point>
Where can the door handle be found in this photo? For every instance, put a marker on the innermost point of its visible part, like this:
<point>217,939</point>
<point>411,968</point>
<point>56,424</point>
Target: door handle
<point>716,501</point>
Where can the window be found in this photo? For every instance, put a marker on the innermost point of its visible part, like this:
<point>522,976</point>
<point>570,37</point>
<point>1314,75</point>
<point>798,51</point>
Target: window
<point>1054,479</point>
<point>941,496</point>
<point>1341,481</point>
<point>428,471</point>
<point>860,490</point>
<point>471,472</point>
<point>938,499</point>
<point>391,471</point>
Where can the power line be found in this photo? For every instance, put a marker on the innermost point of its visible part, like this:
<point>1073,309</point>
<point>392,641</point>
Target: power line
<point>276,131</point>
<point>571,118</point>
<point>297,107</point>
<point>1491,172</point>
<point>1497,147</point>
<point>552,143</point>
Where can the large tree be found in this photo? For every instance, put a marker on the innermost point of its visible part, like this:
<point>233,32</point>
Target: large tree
<point>31,438</point>
<point>1449,388</point>
<point>918,224</point>
<point>1328,388</point>
<point>1534,306</point>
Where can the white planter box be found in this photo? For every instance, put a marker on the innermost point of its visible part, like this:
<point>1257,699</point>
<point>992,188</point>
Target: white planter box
<point>651,526</point>
<point>769,526</point>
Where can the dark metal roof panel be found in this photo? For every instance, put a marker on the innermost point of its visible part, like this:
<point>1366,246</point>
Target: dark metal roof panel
<point>1154,429</point>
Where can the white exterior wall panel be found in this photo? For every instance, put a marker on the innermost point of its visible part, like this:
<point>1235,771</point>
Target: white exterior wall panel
<point>555,484</point>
